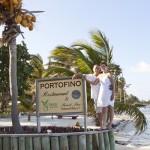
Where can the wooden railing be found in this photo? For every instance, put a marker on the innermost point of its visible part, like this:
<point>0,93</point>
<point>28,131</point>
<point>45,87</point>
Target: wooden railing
<point>91,140</point>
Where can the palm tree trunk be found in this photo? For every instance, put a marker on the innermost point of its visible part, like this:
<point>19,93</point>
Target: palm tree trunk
<point>29,116</point>
<point>13,85</point>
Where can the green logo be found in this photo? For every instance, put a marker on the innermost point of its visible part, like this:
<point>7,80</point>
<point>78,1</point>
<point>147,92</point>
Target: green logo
<point>45,105</point>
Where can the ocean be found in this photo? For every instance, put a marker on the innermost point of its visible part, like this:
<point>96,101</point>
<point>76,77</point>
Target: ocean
<point>127,135</point>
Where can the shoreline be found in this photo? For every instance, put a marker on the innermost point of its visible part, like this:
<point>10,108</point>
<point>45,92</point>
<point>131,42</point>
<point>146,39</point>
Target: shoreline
<point>124,133</point>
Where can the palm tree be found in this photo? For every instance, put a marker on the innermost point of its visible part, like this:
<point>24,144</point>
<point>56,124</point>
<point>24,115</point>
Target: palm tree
<point>38,67</point>
<point>120,84</point>
<point>11,16</point>
<point>38,71</point>
<point>81,56</point>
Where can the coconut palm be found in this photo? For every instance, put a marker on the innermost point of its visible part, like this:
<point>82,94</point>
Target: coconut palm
<point>81,57</point>
<point>12,16</point>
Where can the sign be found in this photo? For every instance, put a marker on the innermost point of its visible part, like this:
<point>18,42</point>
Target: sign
<point>60,95</point>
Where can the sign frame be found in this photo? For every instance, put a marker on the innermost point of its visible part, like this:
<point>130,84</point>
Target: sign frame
<point>38,114</point>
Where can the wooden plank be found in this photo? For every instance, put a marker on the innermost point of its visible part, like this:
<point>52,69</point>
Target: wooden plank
<point>29,144</point>
<point>45,143</point>
<point>106,141</point>
<point>22,143</point>
<point>95,141</point>
<point>6,143</point>
<point>14,143</point>
<point>54,143</point>
<point>63,143</point>
<point>101,141</point>
<point>89,142</point>
<point>73,142</point>
<point>111,140</point>
<point>82,142</point>
<point>1,143</point>
<point>51,134</point>
<point>37,143</point>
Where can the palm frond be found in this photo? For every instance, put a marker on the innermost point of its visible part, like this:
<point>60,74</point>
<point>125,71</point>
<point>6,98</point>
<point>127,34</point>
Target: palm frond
<point>94,56</point>
<point>57,71</point>
<point>139,118</point>
<point>102,43</point>
<point>70,55</point>
<point>84,67</point>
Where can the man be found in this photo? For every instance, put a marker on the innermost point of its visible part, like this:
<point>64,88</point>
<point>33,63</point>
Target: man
<point>94,90</point>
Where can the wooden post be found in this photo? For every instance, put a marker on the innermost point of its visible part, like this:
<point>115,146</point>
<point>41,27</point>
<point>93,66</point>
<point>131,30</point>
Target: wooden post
<point>95,142</point>
<point>111,140</point>
<point>106,141</point>
<point>29,144</point>
<point>85,104</point>
<point>54,143</point>
<point>1,143</point>
<point>6,143</point>
<point>101,141</point>
<point>37,143</point>
<point>82,142</point>
<point>89,141</point>
<point>14,143</point>
<point>37,108</point>
<point>73,142</point>
<point>22,143</point>
<point>45,143</point>
<point>63,140</point>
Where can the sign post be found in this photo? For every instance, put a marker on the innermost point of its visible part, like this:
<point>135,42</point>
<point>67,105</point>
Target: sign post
<point>85,103</point>
<point>60,96</point>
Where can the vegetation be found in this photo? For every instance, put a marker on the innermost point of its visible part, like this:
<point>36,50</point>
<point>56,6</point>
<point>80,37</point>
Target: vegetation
<point>25,70</point>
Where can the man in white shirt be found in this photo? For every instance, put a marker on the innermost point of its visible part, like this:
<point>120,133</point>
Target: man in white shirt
<point>94,90</point>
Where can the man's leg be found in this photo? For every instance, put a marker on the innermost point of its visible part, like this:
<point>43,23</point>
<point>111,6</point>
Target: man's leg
<point>99,113</point>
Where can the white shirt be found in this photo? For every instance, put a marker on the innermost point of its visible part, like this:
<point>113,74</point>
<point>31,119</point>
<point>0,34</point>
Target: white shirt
<point>94,88</point>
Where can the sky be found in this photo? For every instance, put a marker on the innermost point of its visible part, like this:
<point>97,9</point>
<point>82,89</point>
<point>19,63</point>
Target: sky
<point>126,23</point>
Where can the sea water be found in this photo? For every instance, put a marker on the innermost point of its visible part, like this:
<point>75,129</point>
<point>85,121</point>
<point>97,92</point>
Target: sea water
<point>128,137</point>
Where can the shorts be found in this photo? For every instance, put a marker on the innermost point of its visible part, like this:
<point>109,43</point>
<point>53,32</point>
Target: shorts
<point>98,109</point>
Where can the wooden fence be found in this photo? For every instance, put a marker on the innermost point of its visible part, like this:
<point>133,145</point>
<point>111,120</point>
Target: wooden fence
<point>91,140</point>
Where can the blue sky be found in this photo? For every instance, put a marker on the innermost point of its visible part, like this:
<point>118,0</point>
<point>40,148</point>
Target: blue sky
<point>125,23</point>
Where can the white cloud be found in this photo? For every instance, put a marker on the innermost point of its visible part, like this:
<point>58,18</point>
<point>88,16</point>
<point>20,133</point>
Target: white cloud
<point>141,67</point>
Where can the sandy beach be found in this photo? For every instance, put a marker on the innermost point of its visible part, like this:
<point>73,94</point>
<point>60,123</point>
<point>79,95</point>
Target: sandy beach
<point>128,147</point>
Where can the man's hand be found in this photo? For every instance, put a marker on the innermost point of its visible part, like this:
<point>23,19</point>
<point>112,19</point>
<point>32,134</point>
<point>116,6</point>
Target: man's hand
<point>76,76</point>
